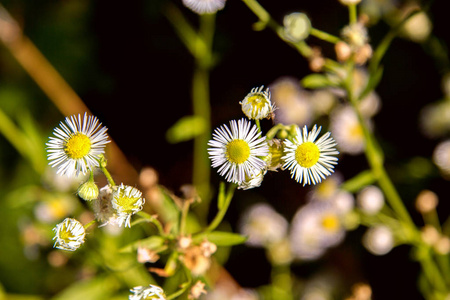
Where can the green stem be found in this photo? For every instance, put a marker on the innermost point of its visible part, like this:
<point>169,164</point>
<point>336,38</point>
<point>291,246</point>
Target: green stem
<point>353,14</point>
<point>432,273</point>
<point>102,165</point>
<point>18,140</point>
<point>324,36</point>
<point>223,210</point>
<point>266,20</point>
<point>152,220</point>
<point>258,125</point>
<point>184,214</point>
<point>202,108</point>
<point>89,224</point>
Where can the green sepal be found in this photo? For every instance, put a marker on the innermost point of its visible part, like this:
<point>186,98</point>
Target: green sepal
<point>221,238</point>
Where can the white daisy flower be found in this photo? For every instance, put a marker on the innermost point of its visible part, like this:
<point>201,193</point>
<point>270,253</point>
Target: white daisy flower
<point>69,235</point>
<point>147,292</point>
<point>315,227</point>
<point>127,201</point>
<point>263,225</point>
<point>347,131</point>
<point>238,151</point>
<point>204,6</point>
<point>257,105</point>
<point>309,160</point>
<point>77,145</point>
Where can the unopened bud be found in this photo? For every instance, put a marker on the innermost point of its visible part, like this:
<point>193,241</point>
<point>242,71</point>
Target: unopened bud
<point>88,191</point>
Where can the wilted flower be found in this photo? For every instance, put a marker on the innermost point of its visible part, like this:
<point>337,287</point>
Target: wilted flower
<point>69,235</point>
<point>77,145</point>
<point>195,260</point>
<point>309,160</point>
<point>238,151</point>
<point>262,225</point>
<point>147,292</point>
<point>145,255</point>
<point>196,290</point>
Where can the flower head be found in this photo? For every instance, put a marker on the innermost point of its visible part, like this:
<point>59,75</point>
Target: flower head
<point>378,240</point>
<point>347,130</point>
<point>238,151</point>
<point>309,160</point>
<point>69,235</point>
<point>127,201</point>
<point>315,227</point>
<point>147,292</point>
<point>263,225</point>
<point>77,145</point>
<point>204,6</point>
<point>257,105</point>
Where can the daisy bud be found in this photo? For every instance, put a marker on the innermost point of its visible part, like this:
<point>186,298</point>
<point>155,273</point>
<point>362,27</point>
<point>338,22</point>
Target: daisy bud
<point>296,26</point>
<point>88,191</point>
<point>69,235</point>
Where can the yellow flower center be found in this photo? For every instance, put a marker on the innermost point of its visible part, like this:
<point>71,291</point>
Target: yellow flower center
<point>77,146</point>
<point>65,234</point>
<point>356,132</point>
<point>238,151</point>
<point>257,102</point>
<point>327,188</point>
<point>127,204</point>
<point>307,154</point>
<point>330,223</point>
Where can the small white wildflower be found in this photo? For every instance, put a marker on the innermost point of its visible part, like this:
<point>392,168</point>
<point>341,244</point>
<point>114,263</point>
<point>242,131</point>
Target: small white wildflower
<point>262,225</point>
<point>370,199</point>
<point>127,201</point>
<point>147,292</point>
<point>347,131</point>
<point>204,6</point>
<point>257,105</point>
<point>77,145</point>
<point>237,152</point>
<point>292,102</point>
<point>69,235</point>
<point>309,160</point>
<point>315,227</point>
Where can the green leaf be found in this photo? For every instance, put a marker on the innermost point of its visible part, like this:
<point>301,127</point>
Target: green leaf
<point>186,129</point>
<point>316,81</point>
<point>221,238</point>
<point>154,242</point>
